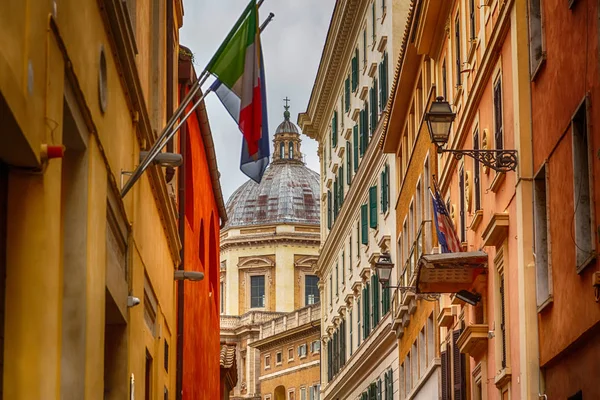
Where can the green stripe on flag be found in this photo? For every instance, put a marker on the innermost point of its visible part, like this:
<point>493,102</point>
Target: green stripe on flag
<point>228,63</point>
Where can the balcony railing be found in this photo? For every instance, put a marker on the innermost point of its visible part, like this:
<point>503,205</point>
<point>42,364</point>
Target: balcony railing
<point>407,278</point>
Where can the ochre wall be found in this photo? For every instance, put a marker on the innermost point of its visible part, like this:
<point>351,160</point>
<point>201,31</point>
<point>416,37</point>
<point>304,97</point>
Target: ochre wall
<point>201,368</point>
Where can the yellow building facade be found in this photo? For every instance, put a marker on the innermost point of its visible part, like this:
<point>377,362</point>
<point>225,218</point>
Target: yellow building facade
<point>269,248</point>
<point>92,77</point>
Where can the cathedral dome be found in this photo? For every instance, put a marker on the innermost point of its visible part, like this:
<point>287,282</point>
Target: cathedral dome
<point>288,192</point>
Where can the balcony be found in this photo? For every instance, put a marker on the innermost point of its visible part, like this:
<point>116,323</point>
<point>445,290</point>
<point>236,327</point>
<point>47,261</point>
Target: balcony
<point>450,272</point>
<point>473,340</point>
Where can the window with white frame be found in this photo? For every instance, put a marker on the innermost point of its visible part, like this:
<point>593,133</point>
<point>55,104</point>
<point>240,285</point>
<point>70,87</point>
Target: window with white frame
<point>302,350</point>
<point>257,291</point>
<point>267,361</point>
<point>278,358</point>
<point>315,346</point>
<point>291,394</point>
<point>430,339</point>
<point>311,290</point>
<point>302,393</point>
<point>422,352</point>
<point>290,354</point>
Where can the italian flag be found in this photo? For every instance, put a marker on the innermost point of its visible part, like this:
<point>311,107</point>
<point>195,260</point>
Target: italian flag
<point>237,65</point>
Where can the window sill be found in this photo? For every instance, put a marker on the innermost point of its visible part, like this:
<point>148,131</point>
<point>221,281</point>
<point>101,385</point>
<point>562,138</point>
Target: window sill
<point>267,368</point>
<point>302,357</point>
<point>545,304</point>
<point>279,364</point>
<point>497,182</point>
<point>477,218</point>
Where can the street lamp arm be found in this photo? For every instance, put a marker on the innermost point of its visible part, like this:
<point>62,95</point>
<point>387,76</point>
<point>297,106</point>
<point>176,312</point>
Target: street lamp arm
<point>498,160</point>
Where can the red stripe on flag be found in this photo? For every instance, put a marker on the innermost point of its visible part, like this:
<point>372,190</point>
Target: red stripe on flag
<point>251,121</point>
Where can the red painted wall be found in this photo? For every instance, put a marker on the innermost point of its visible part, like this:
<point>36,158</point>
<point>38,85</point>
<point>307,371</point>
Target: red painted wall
<point>570,72</point>
<point>201,346</point>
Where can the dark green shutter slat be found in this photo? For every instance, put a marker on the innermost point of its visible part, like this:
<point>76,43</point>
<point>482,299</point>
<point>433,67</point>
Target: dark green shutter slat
<point>366,134</point>
<point>373,207</point>
<point>347,93</point>
<point>348,163</point>
<point>363,224</point>
<point>329,209</point>
<point>334,131</point>
<point>355,145</point>
<point>376,104</point>
<point>341,186</point>
<point>385,83</point>
<point>361,121</point>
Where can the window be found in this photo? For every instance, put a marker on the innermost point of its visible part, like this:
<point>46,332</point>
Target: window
<point>501,291</point>
<point>314,392</point>
<point>311,290</point>
<point>444,80</point>
<point>222,297</point>
<point>383,82</point>
<point>257,291</point>
<point>373,207</point>
<point>350,333</point>
<point>267,361</point>
<point>422,352</point>
<point>347,94</point>
<point>348,163</point>
<point>430,339</point>
<point>472,14</point>
<point>363,124</point>
<point>374,18</point>
<point>355,146</point>
<point>278,358</point>
<point>457,49</point>
<point>375,287</point>
<point>355,71</point>
<point>536,39</point>
<point>291,151</point>
<point>350,254</point>
<point>290,354</point>
<point>282,150</point>
<point>498,125</point>
<point>329,209</point>
<point>408,369</point>
<point>461,194</point>
<point>358,321</point>
<point>374,105</point>
<point>365,47</point>
<point>166,357</point>
<point>459,369</point>
<point>583,195</point>
<point>330,290</point>
<point>385,188</point>
<point>315,346</point>
<point>343,268</point>
<point>337,280</point>
<point>302,351</point>
<point>291,394</point>
<point>477,173</point>
<point>540,222</point>
<point>389,385</point>
<point>334,129</point>
<point>363,224</point>
<point>414,366</point>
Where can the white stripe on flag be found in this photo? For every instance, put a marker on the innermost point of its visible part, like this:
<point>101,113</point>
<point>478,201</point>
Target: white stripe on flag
<point>248,78</point>
<point>230,100</point>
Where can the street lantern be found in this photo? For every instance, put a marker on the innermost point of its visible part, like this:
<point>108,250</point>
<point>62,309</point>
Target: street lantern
<point>384,266</point>
<point>439,121</point>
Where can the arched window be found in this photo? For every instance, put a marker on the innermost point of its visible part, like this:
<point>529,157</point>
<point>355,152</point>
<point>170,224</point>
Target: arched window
<point>282,150</point>
<point>291,152</point>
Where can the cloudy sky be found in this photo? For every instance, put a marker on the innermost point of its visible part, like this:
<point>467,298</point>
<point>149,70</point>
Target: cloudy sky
<point>292,46</point>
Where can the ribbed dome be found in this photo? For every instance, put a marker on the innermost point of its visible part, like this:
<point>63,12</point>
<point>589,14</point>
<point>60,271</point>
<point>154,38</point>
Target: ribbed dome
<point>288,193</point>
<point>287,127</point>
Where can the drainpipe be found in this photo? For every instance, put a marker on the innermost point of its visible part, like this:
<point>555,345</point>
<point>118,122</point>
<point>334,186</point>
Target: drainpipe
<point>170,171</point>
<point>180,283</point>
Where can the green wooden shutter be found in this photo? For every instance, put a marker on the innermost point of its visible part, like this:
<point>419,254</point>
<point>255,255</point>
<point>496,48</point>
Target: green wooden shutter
<point>361,123</point>
<point>382,194</point>
<point>387,184</point>
<point>366,135</point>
<point>341,186</point>
<point>365,317</point>
<point>385,83</point>
<point>371,111</point>
<point>376,300</point>
<point>373,207</point>
<point>355,146</point>
<point>335,199</point>
<point>347,93</point>
<point>363,224</point>
<point>379,389</point>
<point>354,72</point>
<point>334,129</point>
<point>348,163</point>
<point>369,310</point>
<point>329,209</point>
<point>376,106</point>
<point>381,81</point>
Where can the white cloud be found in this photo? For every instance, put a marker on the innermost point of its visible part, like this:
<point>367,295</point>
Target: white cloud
<point>292,46</point>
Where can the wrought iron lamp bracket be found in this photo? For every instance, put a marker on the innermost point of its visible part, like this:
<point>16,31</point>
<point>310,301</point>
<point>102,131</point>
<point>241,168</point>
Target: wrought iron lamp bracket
<point>422,296</point>
<point>498,160</point>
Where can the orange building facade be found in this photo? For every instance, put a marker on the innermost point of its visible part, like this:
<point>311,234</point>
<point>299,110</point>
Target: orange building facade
<point>565,119</point>
<point>474,56</point>
<point>202,211</point>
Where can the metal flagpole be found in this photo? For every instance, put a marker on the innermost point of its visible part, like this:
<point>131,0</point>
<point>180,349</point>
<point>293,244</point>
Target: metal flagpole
<point>169,131</point>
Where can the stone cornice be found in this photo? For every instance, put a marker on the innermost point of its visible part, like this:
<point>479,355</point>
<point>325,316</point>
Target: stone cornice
<point>270,239</point>
<point>367,172</point>
<point>337,51</point>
